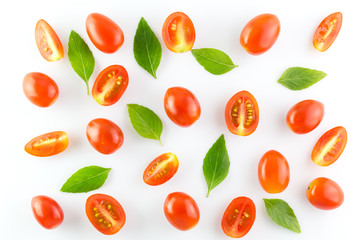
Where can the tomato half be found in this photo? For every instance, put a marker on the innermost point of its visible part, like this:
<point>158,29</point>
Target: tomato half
<point>238,217</point>
<point>325,194</point>
<point>161,169</point>
<point>242,113</point>
<point>47,211</point>
<point>104,135</point>
<point>48,42</point>
<point>104,33</point>
<point>327,31</point>
<point>178,32</point>
<point>260,34</point>
<point>110,85</point>
<point>48,144</point>
<point>105,213</point>
<point>181,211</point>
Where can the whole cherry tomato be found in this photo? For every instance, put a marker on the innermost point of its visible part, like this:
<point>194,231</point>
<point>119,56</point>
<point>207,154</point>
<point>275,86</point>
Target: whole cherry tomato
<point>47,211</point>
<point>327,31</point>
<point>161,169</point>
<point>48,144</point>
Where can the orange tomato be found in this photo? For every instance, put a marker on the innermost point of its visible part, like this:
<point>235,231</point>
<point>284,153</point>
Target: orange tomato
<point>327,31</point>
<point>48,144</point>
<point>161,169</point>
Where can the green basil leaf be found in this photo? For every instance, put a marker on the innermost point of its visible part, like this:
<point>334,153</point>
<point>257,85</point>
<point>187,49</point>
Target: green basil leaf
<point>145,122</point>
<point>147,48</point>
<point>214,61</point>
<point>81,58</point>
<point>298,78</point>
<point>281,213</point>
<point>86,179</point>
<point>216,164</point>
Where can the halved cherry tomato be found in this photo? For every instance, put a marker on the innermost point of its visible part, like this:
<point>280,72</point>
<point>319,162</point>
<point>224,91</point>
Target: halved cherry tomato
<point>105,213</point>
<point>47,211</point>
<point>327,31</point>
<point>110,85</point>
<point>104,33</point>
<point>329,147</point>
<point>178,32</point>
<point>242,114</point>
<point>238,217</point>
<point>104,135</point>
<point>48,42</point>
<point>48,144</point>
<point>325,194</point>
<point>161,169</point>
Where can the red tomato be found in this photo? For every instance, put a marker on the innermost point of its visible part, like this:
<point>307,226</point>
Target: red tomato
<point>48,42</point>
<point>181,106</point>
<point>260,33</point>
<point>104,135</point>
<point>305,116</point>
<point>47,212</point>
<point>178,32</point>
<point>325,194</point>
<point>329,147</point>
<point>104,33</point>
<point>242,114</point>
<point>110,85</point>
<point>181,211</point>
<point>48,144</point>
<point>327,31</point>
<point>161,169</point>
<point>238,217</point>
<point>105,213</point>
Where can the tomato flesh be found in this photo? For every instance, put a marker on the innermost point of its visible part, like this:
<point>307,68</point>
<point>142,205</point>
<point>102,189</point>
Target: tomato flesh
<point>47,211</point>
<point>48,144</point>
<point>327,31</point>
<point>161,169</point>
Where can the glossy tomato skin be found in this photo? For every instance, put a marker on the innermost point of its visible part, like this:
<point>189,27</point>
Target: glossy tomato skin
<point>260,34</point>
<point>104,33</point>
<point>110,85</point>
<point>325,194</point>
<point>181,106</point>
<point>48,144</point>
<point>178,32</point>
<point>47,211</point>
<point>161,169</point>
<point>104,135</point>
<point>327,31</point>
<point>181,211</point>
<point>105,213</point>
<point>242,114</point>
<point>238,217</point>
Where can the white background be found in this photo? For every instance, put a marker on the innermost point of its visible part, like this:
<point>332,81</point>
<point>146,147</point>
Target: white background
<point>218,24</point>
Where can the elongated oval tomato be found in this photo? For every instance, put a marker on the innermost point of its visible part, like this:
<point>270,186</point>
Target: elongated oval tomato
<point>161,169</point>
<point>110,85</point>
<point>242,114</point>
<point>327,31</point>
<point>105,213</point>
<point>178,32</point>
<point>48,144</point>
<point>329,147</point>
<point>104,33</point>
<point>238,217</point>
<point>48,42</point>
<point>47,211</point>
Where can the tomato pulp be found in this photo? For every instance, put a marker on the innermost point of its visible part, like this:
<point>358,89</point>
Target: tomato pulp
<point>161,169</point>
<point>327,31</point>
<point>47,211</point>
<point>48,144</point>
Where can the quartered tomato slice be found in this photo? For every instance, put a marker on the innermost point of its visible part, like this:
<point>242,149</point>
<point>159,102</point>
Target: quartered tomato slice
<point>327,31</point>
<point>161,169</point>
<point>48,144</point>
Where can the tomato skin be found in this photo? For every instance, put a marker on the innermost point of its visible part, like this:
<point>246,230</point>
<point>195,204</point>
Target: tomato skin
<point>104,33</point>
<point>260,33</point>
<point>47,211</point>
<point>104,135</point>
<point>325,194</point>
<point>110,85</point>
<point>161,169</point>
<point>238,217</point>
<point>327,31</point>
<point>48,144</point>
<point>181,211</point>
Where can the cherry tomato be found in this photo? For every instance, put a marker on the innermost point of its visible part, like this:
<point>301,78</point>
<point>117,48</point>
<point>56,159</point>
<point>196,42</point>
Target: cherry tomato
<point>238,217</point>
<point>260,33</point>
<point>329,147</point>
<point>178,32</point>
<point>161,169</point>
<point>305,116</point>
<point>47,211</point>
<point>48,144</point>
<point>327,31</point>
<point>325,194</point>
<point>110,85</point>
<point>105,213</point>
<point>242,114</point>
<point>181,211</point>
<point>181,106</point>
<point>104,33</point>
<point>104,135</point>
<point>48,42</point>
